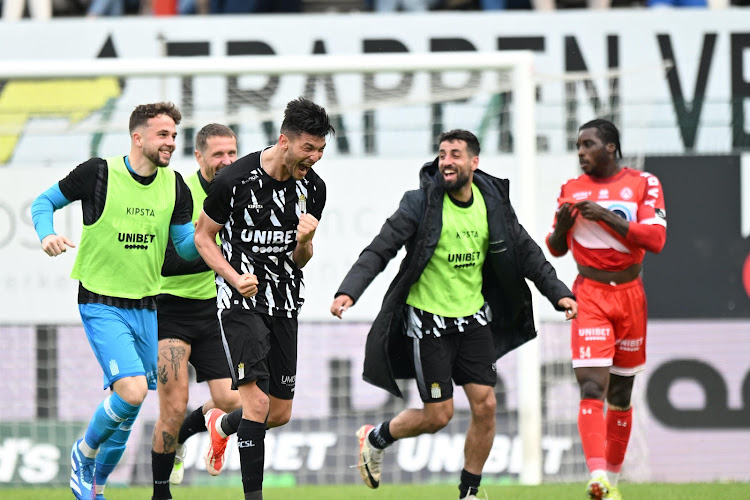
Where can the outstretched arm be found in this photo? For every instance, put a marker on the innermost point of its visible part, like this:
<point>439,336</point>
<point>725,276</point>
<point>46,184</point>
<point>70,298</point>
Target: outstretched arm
<point>42,210</point>
<point>395,233</point>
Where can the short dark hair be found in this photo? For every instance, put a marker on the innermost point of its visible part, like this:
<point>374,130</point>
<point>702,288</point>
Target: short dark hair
<point>472,143</point>
<point>144,112</point>
<point>607,132</point>
<point>212,130</point>
<point>302,116</point>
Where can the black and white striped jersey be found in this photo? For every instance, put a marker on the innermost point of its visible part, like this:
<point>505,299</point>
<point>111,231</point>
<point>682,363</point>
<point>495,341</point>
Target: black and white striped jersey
<point>260,217</point>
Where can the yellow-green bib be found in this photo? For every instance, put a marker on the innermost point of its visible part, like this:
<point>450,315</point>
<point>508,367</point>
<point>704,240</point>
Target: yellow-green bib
<point>192,286</point>
<point>121,254</point>
<point>451,284</point>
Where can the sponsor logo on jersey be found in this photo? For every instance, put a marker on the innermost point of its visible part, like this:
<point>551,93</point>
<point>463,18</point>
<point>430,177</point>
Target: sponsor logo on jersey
<point>467,259</point>
<point>468,233</point>
<point>604,194</point>
<point>581,195</point>
<point>660,213</point>
<point>262,237</point>
<point>136,241</point>
<point>143,212</point>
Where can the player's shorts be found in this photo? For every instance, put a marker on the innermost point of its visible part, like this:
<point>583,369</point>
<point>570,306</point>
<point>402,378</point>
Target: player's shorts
<point>610,329</point>
<point>124,341</point>
<point>195,323</point>
<point>447,355</point>
<point>262,348</point>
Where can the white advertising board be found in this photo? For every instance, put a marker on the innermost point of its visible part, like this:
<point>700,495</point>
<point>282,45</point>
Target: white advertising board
<point>699,105</point>
<point>362,193</point>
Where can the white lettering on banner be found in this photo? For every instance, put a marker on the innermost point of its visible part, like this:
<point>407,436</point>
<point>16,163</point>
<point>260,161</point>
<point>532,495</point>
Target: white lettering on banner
<point>285,451</point>
<point>441,452</point>
<point>34,463</point>
<point>703,47</point>
<point>444,453</point>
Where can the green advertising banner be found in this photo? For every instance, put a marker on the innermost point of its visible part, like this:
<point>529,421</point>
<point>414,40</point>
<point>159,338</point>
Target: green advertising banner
<point>37,453</point>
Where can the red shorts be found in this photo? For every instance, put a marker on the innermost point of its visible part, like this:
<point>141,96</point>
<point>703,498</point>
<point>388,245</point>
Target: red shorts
<point>610,329</point>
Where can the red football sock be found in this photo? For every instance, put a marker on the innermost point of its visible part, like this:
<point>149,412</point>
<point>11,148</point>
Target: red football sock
<point>593,431</point>
<point>619,424</point>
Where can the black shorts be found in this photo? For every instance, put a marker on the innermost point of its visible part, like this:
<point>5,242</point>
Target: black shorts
<point>196,323</point>
<point>262,348</point>
<point>466,357</point>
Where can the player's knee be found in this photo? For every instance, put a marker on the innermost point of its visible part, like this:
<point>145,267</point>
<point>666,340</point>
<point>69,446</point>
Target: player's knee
<point>618,400</point>
<point>438,420</point>
<point>132,390</point>
<point>591,389</point>
<point>485,409</point>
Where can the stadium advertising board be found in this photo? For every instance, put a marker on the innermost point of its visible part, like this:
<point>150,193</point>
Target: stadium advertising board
<point>351,219</point>
<point>704,269</point>
<point>622,54</point>
<point>692,396</point>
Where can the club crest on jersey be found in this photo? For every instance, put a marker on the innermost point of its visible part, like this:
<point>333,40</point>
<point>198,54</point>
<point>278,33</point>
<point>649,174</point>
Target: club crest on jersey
<point>626,193</point>
<point>241,371</point>
<point>302,202</point>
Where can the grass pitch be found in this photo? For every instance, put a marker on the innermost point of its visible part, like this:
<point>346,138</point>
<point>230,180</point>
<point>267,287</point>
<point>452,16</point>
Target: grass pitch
<point>692,491</point>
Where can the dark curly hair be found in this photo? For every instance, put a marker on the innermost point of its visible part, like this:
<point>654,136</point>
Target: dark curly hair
<point>144,112</point>
<point>607,132</point>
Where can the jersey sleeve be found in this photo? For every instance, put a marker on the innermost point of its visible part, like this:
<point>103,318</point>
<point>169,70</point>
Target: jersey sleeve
<point>80,183</point>
<point>651,209</point>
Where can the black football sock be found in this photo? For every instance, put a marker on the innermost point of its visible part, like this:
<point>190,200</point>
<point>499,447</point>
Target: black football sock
<point>469,484</point>
<point>380,437</point>
<point>250,441</point>
<point>161,468</point>
<point>231,422</point>
<point>193,424</point>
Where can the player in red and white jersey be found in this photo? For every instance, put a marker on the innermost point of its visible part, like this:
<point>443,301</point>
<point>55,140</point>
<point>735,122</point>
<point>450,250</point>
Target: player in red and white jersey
<point>608,217</point>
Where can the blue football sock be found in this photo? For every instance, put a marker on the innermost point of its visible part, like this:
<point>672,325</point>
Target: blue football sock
<point>111,451</point>
<point>107,418</point>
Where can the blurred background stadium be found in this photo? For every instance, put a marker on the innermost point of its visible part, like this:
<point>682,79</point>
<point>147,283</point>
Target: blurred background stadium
<point>676,81</point>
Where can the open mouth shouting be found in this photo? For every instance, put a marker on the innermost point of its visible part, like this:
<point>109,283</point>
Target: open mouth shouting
<point>450,174</point>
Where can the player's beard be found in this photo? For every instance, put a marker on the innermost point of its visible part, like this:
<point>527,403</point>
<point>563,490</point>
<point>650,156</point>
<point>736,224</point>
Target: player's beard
<point>155,157</point>
<point>462,178</point>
